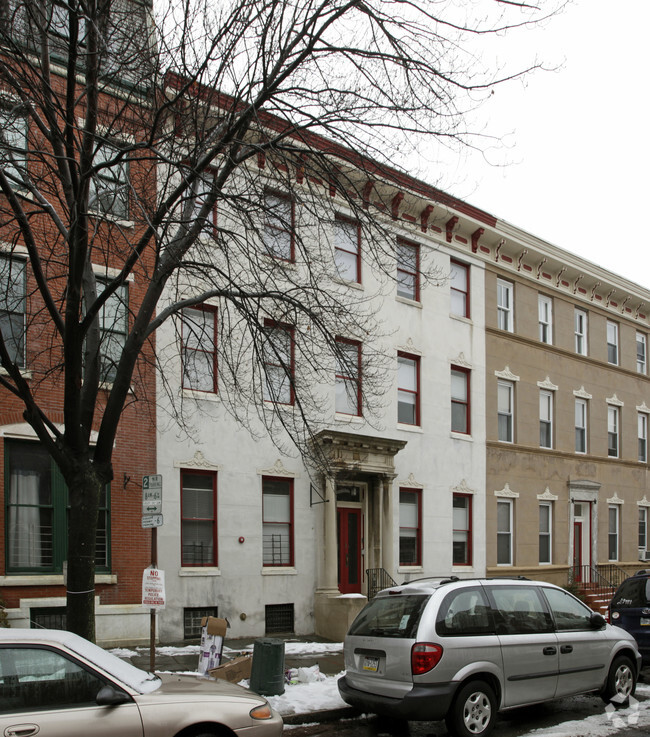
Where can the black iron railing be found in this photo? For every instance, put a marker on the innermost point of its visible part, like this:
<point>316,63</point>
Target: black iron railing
<point>600,579</point>
<point>378,579</point>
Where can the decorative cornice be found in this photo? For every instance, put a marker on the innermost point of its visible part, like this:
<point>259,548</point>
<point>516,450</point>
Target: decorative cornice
<point>547,496</point>
<point>409,347</point>
<point>581,393</point>
<point>547,384</point>
<point>644,502</point>
<point>507,374</point>
<point>461,361</point>
<point>198,461</point>
<point>615,499</point>
<point>507,492</point>
<point>615,401</point>
<point>277,469</point>
<point>462,488</point>
<point>410,481</point>
<point>643,407</point>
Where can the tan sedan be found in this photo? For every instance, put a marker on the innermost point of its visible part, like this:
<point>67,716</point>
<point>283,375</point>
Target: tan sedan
<point>56,684</point>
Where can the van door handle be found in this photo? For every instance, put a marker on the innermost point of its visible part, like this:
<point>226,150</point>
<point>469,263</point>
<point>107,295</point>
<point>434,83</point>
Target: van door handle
<point>550,651</point>
<point>566,649</point>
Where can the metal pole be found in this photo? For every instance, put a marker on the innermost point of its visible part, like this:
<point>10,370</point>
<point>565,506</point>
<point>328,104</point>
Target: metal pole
<point>152,612</point>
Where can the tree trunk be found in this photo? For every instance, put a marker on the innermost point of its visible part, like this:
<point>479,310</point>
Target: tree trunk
<point>84,493</point>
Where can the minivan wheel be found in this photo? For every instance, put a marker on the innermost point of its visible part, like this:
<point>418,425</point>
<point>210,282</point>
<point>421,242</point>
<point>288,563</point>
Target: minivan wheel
<point>621,682</point>
<point>473,711</point>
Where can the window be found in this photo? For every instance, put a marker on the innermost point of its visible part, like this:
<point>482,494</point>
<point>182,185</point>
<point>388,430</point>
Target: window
<point>199,348</point>
<point>198,518</point>
<point>13,143</point>
<point>277,521</point>
<point>279,226</point>
<point>612,545</point>
<point>612,432</point>
<point>612,343</point>
<point>36,513</point>
<point>109,187</point>
<point>505,306</point>
<point>568,612</point>
<point>520,610</point>
<point>460,408</point>
<point>580,330</point>
<point>545,539</point>
<point>348,376</point>
<point>278,618</point>
<point>459,289</point>
<point>462,537</point>
<point>504,532</point>
<point>465,612</point>
<point>113,325</point>
<point>545,419</point>
<point>642,423</point>
<point>641,353</point>
<point>545,311</point>
<point>192,618</point>
<point>278,356</point>
<point>410,547</point>
<point>13,291</point>
<point>505,411</point>
<point>42,679</point>
<point>581,425</point>
<point>408,389</point>
<point>643,528</point>
<point>202,188</point>
<point>408,270</point>
<point>347,245</point>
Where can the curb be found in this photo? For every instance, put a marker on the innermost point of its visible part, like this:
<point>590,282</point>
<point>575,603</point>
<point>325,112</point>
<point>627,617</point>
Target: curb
<point>324,715</point>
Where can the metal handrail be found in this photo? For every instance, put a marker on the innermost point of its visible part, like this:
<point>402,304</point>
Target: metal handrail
<point>600,579</point>
<point>378,579</point>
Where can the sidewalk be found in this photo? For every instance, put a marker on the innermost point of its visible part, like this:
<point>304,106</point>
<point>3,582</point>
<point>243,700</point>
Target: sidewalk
<point>183,657</point>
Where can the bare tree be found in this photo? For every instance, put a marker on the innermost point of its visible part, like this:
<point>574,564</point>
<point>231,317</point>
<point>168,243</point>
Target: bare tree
<point>184,145</point>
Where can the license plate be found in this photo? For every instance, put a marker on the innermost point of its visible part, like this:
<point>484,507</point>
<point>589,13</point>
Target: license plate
<point>645,622</point>
<point>371,664</point>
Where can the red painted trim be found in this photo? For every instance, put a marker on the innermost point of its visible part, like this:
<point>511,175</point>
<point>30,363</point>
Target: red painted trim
<point>424,217</point>
<point>418,530</point>
<point>466,269</point>
<point>358,378</point>
<point>416,273</point>
<point>394,205</point>
<point>467,403</point>
<point>215,556</point>
<point>449,227</point>
<point>470,530</point>
<point>357,224</point>
<point>416,361</point>
<point>275,325</point>
<point>475,238</point>
<point>289,481</point>
<point>215,382</point>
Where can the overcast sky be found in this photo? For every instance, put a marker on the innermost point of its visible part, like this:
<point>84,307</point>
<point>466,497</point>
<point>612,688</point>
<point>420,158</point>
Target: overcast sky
<point>577,139</point>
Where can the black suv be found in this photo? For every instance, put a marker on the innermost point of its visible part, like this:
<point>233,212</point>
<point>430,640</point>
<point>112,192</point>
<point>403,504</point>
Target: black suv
<point>630,609</point>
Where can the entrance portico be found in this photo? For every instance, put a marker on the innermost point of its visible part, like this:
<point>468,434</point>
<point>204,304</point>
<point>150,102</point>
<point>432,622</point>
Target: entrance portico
<point>358,524</point>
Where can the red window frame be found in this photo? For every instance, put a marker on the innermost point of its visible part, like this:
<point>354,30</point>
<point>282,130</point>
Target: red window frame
<point>416,392</point>
<point>276,224</point>
<point>289,524</point>
<point>407,270</point>
<point>272,325</point>
<point>464,404</point>
<point>348,378</point>
<point>213,353</point>
<point>214,560</point>
<point>417,494</point>
<point>465,292</point>
<point>357,254</point>
<point>468,530</point>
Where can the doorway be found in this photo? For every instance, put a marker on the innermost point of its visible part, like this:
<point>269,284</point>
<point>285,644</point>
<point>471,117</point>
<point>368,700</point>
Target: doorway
<point>349,543</point>
<point>582,541</point>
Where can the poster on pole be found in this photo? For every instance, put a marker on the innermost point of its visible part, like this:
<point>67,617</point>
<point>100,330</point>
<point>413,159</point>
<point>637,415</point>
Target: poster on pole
<point>153,588</point>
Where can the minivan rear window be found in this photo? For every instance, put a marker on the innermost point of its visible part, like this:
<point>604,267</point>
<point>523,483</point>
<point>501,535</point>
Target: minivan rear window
<point>390,616</point>
<point>632,593</point>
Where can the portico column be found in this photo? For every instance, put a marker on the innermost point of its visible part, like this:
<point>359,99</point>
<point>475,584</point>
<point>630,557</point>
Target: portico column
<point>329,582</point>
<point>387,558</point>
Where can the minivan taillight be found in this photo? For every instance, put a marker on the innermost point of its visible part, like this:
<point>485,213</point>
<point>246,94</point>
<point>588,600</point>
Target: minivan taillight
<point>424,657</point>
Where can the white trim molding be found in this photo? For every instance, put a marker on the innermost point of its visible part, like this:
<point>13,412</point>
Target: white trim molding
<point>198,461</point>
<point>507,492</point>
<point>507,374</point>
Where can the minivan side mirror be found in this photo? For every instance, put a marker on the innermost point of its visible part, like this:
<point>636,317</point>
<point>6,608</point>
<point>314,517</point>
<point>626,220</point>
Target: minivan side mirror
<point>597,621</point>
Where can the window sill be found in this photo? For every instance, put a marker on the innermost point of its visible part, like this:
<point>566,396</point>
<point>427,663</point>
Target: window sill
<point>279,571</point>
<point>469,568</point>
<point>346,283</point>
<point>206,396</point>
<point>461,436</point>
<point>27,375</point>
<point>410,428</point>
<point>353,419</point>
<point>198,572</point>
<point>55,579</point>
<point>410,569</point>
<point>461,318</point>
<point>107,217</point>
<point>407,301</point>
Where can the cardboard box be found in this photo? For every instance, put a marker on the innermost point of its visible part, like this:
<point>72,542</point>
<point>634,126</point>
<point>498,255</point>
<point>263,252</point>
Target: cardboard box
<point>213,631</point>
<point>234,670</point>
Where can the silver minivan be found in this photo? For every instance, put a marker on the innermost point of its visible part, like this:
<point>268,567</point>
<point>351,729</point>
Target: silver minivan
<point>465,649</point>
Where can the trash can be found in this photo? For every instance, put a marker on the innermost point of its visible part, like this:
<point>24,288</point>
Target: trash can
<point>267,672</point>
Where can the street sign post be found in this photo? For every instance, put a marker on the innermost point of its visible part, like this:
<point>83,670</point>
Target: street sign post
<point>149,521</point>
<point>152,494</point>
<point>152,519</point>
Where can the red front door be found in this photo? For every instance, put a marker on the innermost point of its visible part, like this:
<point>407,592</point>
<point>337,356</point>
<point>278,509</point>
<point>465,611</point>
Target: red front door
<point>577,551</point>
<point>349,535</point>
